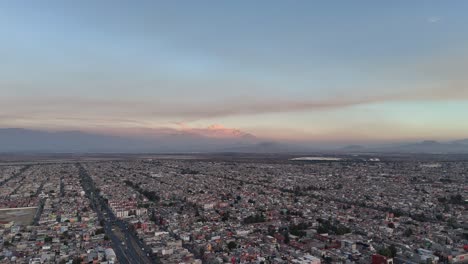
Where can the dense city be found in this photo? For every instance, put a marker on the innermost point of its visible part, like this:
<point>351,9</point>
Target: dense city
<point>170,210</point>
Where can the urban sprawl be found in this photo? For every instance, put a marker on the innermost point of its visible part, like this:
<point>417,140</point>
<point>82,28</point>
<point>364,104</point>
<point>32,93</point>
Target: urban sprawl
<point>218,211</point>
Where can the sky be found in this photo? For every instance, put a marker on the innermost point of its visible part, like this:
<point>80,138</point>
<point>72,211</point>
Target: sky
<point>315,71</point>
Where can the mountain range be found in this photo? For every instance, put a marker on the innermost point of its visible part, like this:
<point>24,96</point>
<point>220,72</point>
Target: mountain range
<point>25,140</point>
<point>426,146</point>
<point>218,139</point>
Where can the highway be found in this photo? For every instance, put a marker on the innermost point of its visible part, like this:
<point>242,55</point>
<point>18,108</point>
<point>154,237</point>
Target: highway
<point>125,244</point>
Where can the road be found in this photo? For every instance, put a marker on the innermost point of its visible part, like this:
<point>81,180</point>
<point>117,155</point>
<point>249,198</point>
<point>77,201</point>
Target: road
<point>38,214</point>
<point>21,171</point>
<point>125,244</point>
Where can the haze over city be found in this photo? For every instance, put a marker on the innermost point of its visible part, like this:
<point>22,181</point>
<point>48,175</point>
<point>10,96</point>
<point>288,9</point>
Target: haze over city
<point>326,74</point>
<point>233,132</point>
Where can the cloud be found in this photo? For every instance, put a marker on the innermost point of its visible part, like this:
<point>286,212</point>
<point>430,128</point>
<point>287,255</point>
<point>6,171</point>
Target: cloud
<point>434,19</point>
<point>446,76</point>
<point>218,131</point>
<point>85,112</point>
<point>147,114</point>
<point>215,131</point>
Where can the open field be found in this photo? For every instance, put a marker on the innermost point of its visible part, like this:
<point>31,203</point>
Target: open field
<point>23,216</point>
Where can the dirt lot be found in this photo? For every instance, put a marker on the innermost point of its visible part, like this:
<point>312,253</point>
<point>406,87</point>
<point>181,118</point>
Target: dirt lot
<point>20,216</point>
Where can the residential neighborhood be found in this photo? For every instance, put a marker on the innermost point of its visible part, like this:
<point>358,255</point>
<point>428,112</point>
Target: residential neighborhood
<point>209,211</point>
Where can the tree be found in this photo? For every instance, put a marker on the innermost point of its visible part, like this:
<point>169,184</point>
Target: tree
<point>232,245</point>
<point>271,230</point>
<point>99,231</point>
<point>389,252</point>
<point>326,226</point>
<point>408,232</point>
<point>64,235</point>
<point>225,216</point>
<point>202,251</point>
<point>452,222</point>
<point>328,259</point>
<point>393,251</point>
<point>341,230</point>
<point>457,199</point>
<point>298,230</point>
<point>252,219</point>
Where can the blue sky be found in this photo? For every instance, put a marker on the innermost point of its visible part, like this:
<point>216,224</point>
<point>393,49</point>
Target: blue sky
<point>292,70</point>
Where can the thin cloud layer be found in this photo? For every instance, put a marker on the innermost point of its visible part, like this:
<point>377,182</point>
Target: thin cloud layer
<point>136,112</point>
<point>434,19</point>
<point>148,117</point>
<point>215,131</point>
<point>218,131</point>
